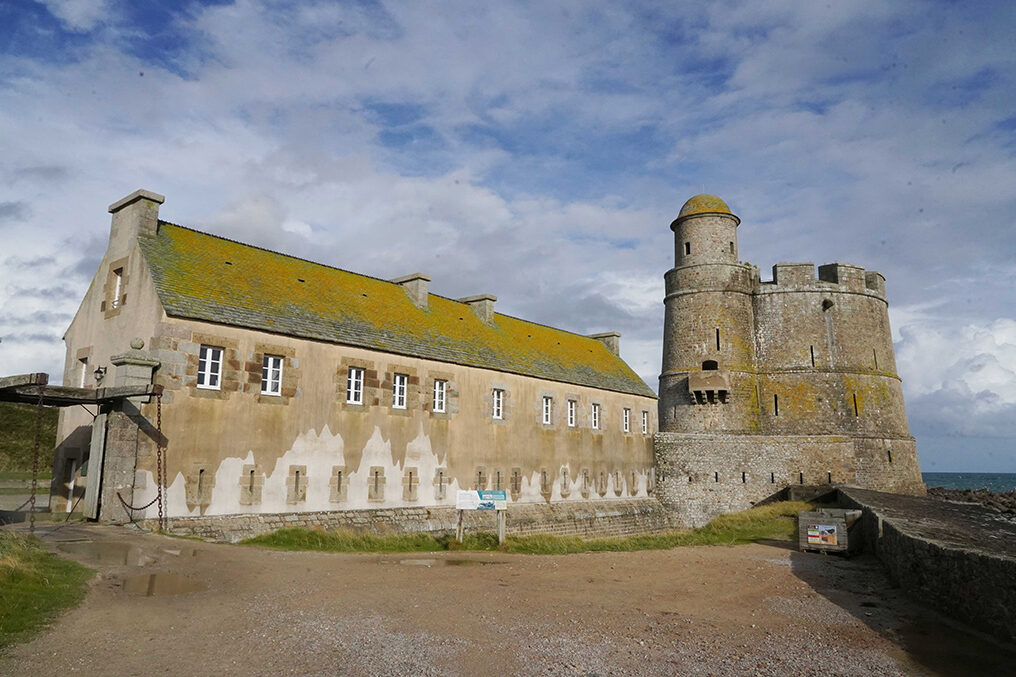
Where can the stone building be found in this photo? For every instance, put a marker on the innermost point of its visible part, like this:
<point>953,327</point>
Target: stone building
<point>295,387</point>
<point>771,383</point>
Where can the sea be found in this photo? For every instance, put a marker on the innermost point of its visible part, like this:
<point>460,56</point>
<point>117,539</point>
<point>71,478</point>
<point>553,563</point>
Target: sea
<point>992,481</point>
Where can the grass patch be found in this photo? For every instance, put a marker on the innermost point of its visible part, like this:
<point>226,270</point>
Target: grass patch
<point>295,538</point>
<point>17,437</point>
<point>776,521</point>
<point>26,475</point>
<point>35,586</point>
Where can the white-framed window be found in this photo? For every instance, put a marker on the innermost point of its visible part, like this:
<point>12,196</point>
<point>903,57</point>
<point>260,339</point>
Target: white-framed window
<point>399,382</point>
<point>595,418</point>
<point>548,409</point>
<point>83,377</point>
<point>645,422</point>
<point>118,287</point>
<point>354,386</point>
<point>626,419</point>
<point>572,406</point>
<point>271,375</point>
<point>210,367</point>
<point>440,395</point>
<point>497,399</point>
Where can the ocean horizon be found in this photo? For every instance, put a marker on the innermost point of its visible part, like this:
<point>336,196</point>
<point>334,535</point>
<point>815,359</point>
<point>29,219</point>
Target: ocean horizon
<point>993,481</point>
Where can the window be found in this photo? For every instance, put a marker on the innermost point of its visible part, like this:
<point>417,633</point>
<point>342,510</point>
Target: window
<point>440,395</point>
<point>117,287</point>
<point>209,367</point>
<point>571,413</point>
<point>83,365</point>
<point>354,386</point>
<point>548,404</point>
<point>596,417</point>
<point>399,391</point>
<point>687,248</point>
<point>498,403</point>
<point>271,375</point>
<point>626,419</point>
<point>645,422</point>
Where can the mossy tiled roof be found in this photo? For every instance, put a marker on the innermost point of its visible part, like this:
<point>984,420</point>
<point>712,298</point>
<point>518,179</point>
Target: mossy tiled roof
<point>704,204</point>
<point>204,277</point>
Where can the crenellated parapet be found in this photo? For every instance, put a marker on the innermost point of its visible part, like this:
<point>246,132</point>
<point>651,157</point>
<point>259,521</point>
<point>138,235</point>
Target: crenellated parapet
<point>831,278</point>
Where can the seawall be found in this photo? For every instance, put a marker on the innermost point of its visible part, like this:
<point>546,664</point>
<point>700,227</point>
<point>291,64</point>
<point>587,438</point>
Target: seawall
<point>955,557</point>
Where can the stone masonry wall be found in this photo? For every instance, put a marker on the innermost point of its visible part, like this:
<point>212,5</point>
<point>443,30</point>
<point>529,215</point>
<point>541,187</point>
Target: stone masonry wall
<point>957,558</point>
<point>701,476</point>
<point>601,518</point>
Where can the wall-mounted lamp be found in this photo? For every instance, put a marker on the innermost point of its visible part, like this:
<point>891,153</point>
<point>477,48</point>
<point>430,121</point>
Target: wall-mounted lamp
<point>99,373</point>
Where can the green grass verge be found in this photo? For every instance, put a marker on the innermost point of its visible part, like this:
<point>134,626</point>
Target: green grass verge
<point>776,521</point>
<point>26,475</point>
<point>17,437</point>
<point>35,586</point>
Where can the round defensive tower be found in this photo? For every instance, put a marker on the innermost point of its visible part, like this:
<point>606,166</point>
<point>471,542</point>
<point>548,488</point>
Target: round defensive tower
<point>707,381</point>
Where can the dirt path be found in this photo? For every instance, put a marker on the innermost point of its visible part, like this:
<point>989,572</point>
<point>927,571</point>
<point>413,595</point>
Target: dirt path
<point>747,610</point>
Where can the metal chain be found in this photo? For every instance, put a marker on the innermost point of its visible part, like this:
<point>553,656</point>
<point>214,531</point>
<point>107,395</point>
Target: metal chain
<point>35,463</point>
<point>159,458</point>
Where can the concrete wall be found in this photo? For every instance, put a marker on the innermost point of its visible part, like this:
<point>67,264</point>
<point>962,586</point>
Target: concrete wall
<point>600,518</point>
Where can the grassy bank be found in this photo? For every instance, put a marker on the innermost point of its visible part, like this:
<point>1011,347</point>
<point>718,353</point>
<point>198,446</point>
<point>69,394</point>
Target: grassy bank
<point>17,437</point>
<point>35,586</point>
<point>771,522</point>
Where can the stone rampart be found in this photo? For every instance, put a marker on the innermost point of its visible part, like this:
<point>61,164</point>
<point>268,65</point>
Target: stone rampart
<point>587,518</point>
<point>958,558</point>
<point>701,476</point>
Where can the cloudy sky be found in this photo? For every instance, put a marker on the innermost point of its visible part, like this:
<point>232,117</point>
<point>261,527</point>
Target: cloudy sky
<point>538,151</point>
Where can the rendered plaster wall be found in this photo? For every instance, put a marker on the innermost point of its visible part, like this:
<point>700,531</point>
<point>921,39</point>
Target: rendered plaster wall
<point>235,450</point>
<point>599,518</point>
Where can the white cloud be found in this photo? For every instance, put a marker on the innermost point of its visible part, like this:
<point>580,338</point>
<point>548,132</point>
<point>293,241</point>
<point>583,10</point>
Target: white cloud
<point>557,141</point>
<point>78,15</point>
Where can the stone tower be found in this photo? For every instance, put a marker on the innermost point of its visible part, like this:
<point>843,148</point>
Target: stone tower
<point>708,348</point>
<point>771,383</point>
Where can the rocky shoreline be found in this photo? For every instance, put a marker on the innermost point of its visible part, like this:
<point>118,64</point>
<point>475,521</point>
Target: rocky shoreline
<point>1003,503</point>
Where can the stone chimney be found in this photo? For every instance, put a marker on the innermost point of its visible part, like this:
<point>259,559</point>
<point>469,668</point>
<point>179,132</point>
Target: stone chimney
<point>482,305</point>
<point>135,367</point>
<point>611,339</point>
<point>417,287</point>
<point>134,215</point>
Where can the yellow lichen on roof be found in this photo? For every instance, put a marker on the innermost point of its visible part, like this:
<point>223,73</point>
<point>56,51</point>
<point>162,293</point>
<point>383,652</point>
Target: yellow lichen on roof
<point>704,204</point>
<point>204,277</point>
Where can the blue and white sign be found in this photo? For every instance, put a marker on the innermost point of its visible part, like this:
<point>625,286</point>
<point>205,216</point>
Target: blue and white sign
<point>482,500</point>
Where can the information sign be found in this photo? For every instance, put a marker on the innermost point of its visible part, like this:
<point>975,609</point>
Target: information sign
<point>821,534</point>
<point>482,500</point>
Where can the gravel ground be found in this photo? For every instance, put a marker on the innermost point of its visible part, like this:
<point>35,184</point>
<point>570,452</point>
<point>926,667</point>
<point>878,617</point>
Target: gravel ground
<point>746,610</point>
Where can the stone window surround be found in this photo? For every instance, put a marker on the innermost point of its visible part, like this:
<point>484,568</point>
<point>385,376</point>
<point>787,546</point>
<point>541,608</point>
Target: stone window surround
<point>230,375</point>
<point>573,412</point>
<point>506,403</point>
<point>82,363</point>
<point>451,394</point>
<point>547,422</point>
<point>370,384</point>
<point>386,389</point>
<point>113,292</point>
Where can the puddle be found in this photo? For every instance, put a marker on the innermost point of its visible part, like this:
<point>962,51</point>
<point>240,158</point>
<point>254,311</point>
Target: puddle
<point>425,562</point>
<point>181,552</point>
<point>106,552</point>
<point>151,585</point>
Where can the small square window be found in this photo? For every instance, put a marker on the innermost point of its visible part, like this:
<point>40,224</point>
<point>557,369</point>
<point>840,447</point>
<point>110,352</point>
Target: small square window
<point>687,248</point>
<point>440,395</point>
<point>572,406</point>
<point>209,367</point>
<point>271,375</point>
<point>354,386</point>
<point>399,382</point>
<point>497,399</point>
<point>548,407</point>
